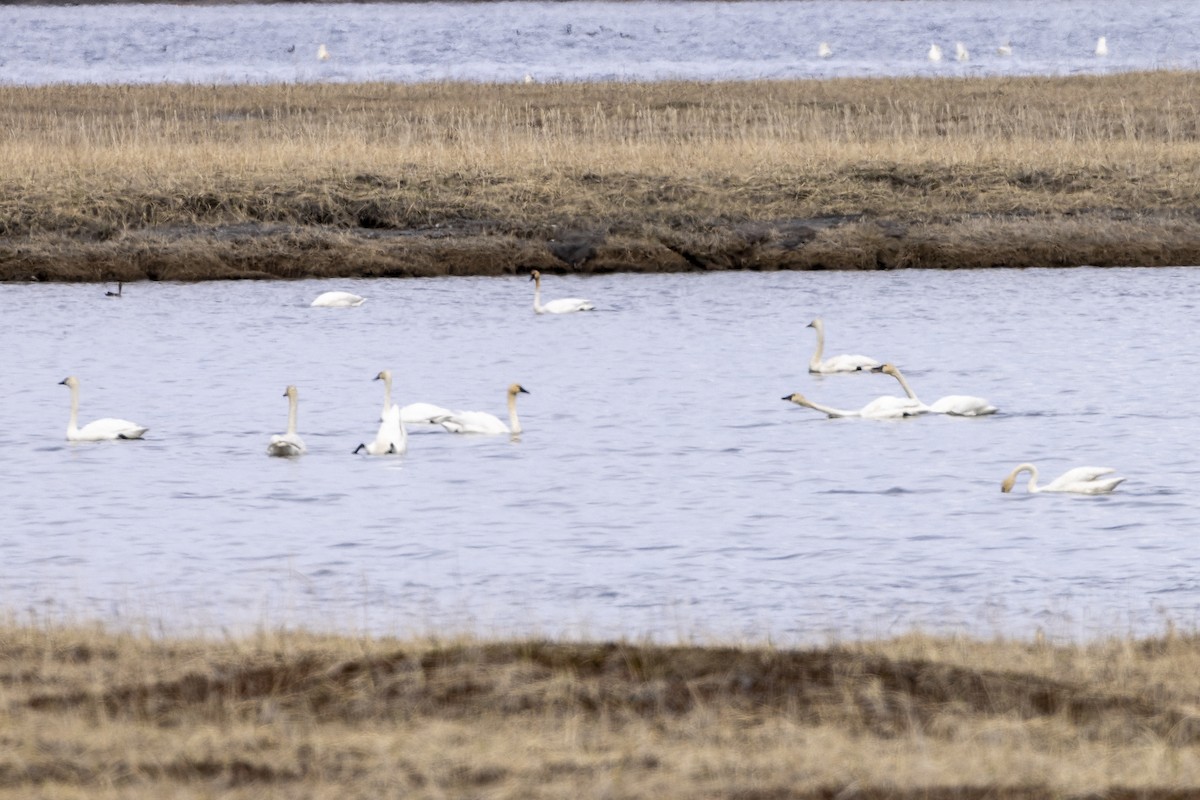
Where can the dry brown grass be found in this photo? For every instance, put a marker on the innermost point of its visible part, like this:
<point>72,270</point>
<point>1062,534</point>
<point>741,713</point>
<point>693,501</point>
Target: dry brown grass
<point>93,714</point>
<point>384,179</point>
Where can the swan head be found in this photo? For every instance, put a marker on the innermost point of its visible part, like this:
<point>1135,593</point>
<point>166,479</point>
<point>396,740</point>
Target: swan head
<point>887,369</point>
<point>71,382</point>
<point>516,389</point>
<point>384,375</point>
<point>290,393</point>
<point>535,276</point>
<point>816,323</point>
<point>1007,485</point>
<point>795,397</point>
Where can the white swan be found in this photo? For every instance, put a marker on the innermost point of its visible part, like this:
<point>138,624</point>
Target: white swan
<point>961,52</point>
<point>117,293</point>
<point>564,306</point>
<point>886,407</point>
<point>835,363</point>
<point>1081,480</point>
<point>935,53</point>
<point>482,421</point>
<point>824,50</point>
<point>1005,49</point>
<point>955,405</point>
<point>1102,46</point>
<point>391,439</point>
<point>338,300</point>
<point>290,443</point>
<point>100,430</point>
<point>322,53</point>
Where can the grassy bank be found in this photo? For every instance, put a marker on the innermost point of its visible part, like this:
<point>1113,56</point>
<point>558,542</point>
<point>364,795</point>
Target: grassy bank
<point>94,714</point>
<point>192,182</point>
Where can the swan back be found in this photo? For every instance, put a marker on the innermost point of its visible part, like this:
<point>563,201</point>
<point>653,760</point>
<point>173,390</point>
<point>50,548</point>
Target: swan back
<point>935,53</point>
<point>391,438</point>
<point>824,50</point>
<point>338,300</point>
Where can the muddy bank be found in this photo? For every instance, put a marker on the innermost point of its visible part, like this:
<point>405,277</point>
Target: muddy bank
<point>851,242</point>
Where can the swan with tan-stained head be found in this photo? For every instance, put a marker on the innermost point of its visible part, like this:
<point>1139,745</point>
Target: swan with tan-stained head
<point>955,405</point>
<point>886,407</point>
<point>834,364</point>
<point>566,305</point>
<point>484,423</point>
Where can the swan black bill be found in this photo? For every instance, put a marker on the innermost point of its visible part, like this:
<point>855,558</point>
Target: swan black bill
<point>357,449</point>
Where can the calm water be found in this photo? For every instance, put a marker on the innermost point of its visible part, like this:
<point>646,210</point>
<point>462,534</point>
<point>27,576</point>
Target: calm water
<point>587,40</point>
<point>661,487</point>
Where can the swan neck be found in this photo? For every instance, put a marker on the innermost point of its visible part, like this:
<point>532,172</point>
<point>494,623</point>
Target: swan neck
<point>537,296</point>
<point>1033,477</point>
<point>904,384</point>
<point>387,393</point>
<point>828,410</point>
<point>514,424</point>
<point>291,428</point>
<point>73,421</point>
<point>815,361</point>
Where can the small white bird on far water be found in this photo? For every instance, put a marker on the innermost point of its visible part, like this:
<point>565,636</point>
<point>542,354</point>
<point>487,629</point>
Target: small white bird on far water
<point>1004,49</point>
<point>529,78</point>
<point>824,50</point>
<point>1102,46</point>
<point>322,53</point>
<point>935,53</point>
<point>961,52</point>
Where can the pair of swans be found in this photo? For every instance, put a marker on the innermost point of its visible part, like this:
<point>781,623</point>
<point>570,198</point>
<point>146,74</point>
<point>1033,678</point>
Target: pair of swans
<point>835,364</point>
<point>955,405</point>
<point>101,430</point>
<point>337,300</point>
<point>1081,480</point>
<point>892,407</point>
<point>566,305</point>
<point>480,422</point>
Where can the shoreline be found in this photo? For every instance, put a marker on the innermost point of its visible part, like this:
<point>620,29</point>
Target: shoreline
<point>190,183</point>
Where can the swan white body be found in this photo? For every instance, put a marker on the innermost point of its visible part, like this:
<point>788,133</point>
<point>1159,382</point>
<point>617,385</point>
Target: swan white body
<point>955,405</point>
<point>484,423</point>
<point>961,52</point>
<point>1081,480</point>
<point>288,444</point>
<point>1102,46</point>
<point>338,300</point>
<point>101,430</point>
<point>566,305</point>
<point>391,439</point>
<point>1004,49</point>
<point>835,364</point>
<point>322,53</point>
<point>423,414</point>
<point>886,407</point>
<point>935,53</point>
<point>824,50</point>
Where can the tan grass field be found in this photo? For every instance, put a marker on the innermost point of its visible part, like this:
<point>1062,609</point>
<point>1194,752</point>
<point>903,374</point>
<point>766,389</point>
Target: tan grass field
<point>95,714</point>
<point>195,182</point>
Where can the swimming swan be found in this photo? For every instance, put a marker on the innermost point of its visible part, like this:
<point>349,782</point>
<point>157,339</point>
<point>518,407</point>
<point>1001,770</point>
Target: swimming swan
<point>290,443</point>
<point>835,363</point>
<point>935,53</point>
<point>824,50</point>
<point>337,300</point>
<point>100,430</point>
<point>1081,480</point>
<point>117,293</point>
<point>482,421</point>
<point>955,405</point>
<point>563,306</point>
<point>1005,49</point>
<point>961,52</point>
<point>886,407</point>
<point>391,439</point>
<point>1102,46</point>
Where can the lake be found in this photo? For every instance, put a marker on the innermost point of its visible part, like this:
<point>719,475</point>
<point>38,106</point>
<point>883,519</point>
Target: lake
<point>586,41</point>
<point>661,487</point>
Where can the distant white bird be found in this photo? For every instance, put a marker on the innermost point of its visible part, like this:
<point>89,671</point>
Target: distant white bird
<point>564,306</point>
<point>337,300</point>
<point>483,422</point>
<point>1081,480</point>
<point>833,364</point>
<point>961,53</point>
<point>886,407</point>
<point>1005,49</point>
<point>117,293</point>
<point>955,405</point>
<point>322,53</point>
<point>100,430</point>
<point>824,50</point>
<point>289,443</point>
<point>935,53</point>
<point>529,78</point>
<point>1102,46</point>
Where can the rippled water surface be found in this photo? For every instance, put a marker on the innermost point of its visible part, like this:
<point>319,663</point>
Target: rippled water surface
<point>587,40</point>
<point>661,487</point>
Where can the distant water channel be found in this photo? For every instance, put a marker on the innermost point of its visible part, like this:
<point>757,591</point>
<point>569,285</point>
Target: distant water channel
<point>583,41</point>
<point>661,488</point>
